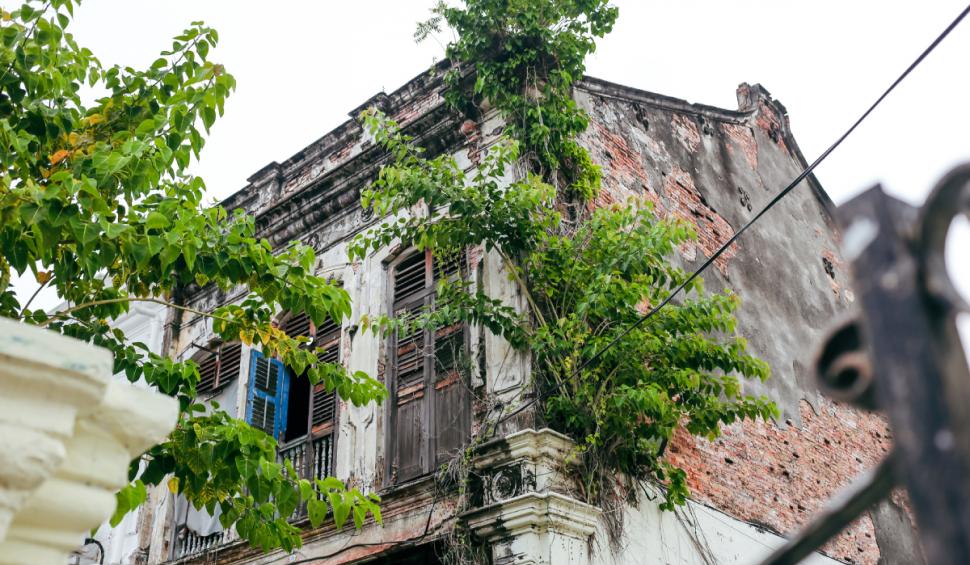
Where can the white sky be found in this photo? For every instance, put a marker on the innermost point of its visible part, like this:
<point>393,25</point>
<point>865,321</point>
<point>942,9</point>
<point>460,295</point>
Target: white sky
<point>302,65</point>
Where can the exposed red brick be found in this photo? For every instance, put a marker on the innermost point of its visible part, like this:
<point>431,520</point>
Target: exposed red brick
<point>417,107</point>
<point>341,154</point>
<point>686,203</point>
<point>624,176</point>
<point>686,131</point>
<point>780,476</point>
<point>742,137</point>
<point>623,172</point>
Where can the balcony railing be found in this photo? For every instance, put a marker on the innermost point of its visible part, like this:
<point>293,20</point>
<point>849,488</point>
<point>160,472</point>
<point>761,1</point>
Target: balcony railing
<point>311,459</point>
<point>188,542</point>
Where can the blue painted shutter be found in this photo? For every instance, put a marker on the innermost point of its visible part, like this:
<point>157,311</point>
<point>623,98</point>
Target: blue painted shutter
<point>268,390</point>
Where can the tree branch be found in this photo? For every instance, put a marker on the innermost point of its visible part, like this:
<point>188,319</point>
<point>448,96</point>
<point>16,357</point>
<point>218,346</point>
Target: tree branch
<point>34,295</point>
<point>83,305</point>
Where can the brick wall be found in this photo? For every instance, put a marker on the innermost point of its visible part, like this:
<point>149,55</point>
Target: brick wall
<point>715,169</point>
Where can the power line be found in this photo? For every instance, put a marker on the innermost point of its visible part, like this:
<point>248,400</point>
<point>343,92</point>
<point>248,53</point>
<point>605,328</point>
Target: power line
<point>784,192</point>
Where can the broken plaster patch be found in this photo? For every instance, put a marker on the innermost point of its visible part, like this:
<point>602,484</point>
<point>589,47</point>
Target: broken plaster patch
<point>686,132</point>
<point>687,203</point>
<point>744,140</point>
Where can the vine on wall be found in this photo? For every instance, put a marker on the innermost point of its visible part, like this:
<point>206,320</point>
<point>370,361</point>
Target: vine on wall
<point>587,279</point>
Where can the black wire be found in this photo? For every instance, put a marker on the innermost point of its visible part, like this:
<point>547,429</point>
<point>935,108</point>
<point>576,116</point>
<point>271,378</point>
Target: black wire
<point>784,192</point>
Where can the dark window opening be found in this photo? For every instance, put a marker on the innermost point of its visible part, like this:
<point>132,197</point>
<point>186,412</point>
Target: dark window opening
<point>300,415</point>
<point>297,408</point>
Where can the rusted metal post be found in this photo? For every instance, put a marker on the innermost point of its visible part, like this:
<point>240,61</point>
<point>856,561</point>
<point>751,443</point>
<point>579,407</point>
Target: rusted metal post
<point>903,355</point>
<point>922,380</point>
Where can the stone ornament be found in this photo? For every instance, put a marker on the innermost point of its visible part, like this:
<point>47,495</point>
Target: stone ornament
<point>67,435</point>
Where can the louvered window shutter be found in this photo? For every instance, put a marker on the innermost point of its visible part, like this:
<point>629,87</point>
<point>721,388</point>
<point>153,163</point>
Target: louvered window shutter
<point>429,411</point>
<point>219,367</point>
<point>410,410</point>
<point>268,385</point>
<point>324,404</point>
<point>451,407</point>
<point>297,325</point>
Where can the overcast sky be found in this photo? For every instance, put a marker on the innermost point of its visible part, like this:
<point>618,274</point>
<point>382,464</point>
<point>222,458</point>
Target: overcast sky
<point>302,65</point>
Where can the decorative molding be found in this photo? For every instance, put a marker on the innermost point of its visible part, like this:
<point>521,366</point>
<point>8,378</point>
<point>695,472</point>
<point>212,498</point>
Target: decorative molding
<point>67,435</point>
<point>523,508</point>
<point>45,380</point>
<point>535,513</point>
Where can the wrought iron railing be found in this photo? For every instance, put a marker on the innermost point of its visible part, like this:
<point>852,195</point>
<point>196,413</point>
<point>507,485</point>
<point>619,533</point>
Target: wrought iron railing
<point>901,353</point>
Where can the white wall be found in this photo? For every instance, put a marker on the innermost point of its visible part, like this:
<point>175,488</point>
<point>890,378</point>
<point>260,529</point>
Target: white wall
<point>144,322</point>
<point>692,535</point>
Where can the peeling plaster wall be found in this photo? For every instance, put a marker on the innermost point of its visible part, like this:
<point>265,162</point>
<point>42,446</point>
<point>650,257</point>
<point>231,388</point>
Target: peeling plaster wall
<point>716,168</point>
<point>694,535</point>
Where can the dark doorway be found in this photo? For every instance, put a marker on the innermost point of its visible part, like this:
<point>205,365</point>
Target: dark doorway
<point>297,408</point>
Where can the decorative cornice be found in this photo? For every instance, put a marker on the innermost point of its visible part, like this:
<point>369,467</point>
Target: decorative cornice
<point>534,513</point>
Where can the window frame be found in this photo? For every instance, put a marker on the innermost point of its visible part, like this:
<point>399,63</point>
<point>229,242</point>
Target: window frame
<point>428,416</point>
<point>313,435</point>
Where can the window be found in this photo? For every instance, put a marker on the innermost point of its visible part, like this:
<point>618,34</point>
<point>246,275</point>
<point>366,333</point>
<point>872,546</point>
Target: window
<point>195,531</point>
<point>428,417</point>
<point>218,365</point>
<point>284,404</point>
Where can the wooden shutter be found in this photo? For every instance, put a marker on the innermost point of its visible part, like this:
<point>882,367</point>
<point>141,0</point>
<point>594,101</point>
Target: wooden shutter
<point>410,411</point>
<point>451,409</point>
<point>429,409</point>
<point>268,385</point>
<point>297,325</point>
<point>324,404</point>
<point>219,366</point>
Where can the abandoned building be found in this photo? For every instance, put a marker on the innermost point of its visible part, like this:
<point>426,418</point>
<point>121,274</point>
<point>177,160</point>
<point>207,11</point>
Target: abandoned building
<point>760,481</point>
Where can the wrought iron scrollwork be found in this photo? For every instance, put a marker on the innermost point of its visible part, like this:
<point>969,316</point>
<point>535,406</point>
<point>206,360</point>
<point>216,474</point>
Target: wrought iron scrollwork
<point>901,354</point>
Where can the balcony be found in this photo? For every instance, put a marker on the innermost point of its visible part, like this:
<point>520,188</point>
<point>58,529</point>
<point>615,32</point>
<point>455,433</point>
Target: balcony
<point>312,459</point>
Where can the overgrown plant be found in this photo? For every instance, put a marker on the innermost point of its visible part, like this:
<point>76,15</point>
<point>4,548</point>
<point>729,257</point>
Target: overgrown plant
<point>96,203</point>
<point>522,57</point>
<point>587,280</point>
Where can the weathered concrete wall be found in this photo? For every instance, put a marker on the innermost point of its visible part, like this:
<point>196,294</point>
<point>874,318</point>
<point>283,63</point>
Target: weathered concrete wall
<point>716,169</point>
<point>692,535</point>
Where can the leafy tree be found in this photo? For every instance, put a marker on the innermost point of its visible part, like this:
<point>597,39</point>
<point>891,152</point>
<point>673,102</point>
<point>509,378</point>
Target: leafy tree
<point>95,202</point>
<point>587,277</point>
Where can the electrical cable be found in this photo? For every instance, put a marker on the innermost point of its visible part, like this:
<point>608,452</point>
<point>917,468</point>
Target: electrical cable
<point>784,192</point>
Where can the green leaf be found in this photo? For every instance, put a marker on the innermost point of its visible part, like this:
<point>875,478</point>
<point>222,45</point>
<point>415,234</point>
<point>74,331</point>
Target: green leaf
<point>317,511</point>
<point>341,510</point>
<point>127,499</point>
<point>156,220</point>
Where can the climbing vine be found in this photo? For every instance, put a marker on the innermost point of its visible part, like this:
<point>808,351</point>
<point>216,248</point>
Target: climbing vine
<point>522,57</point>
<point>587,277</point>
